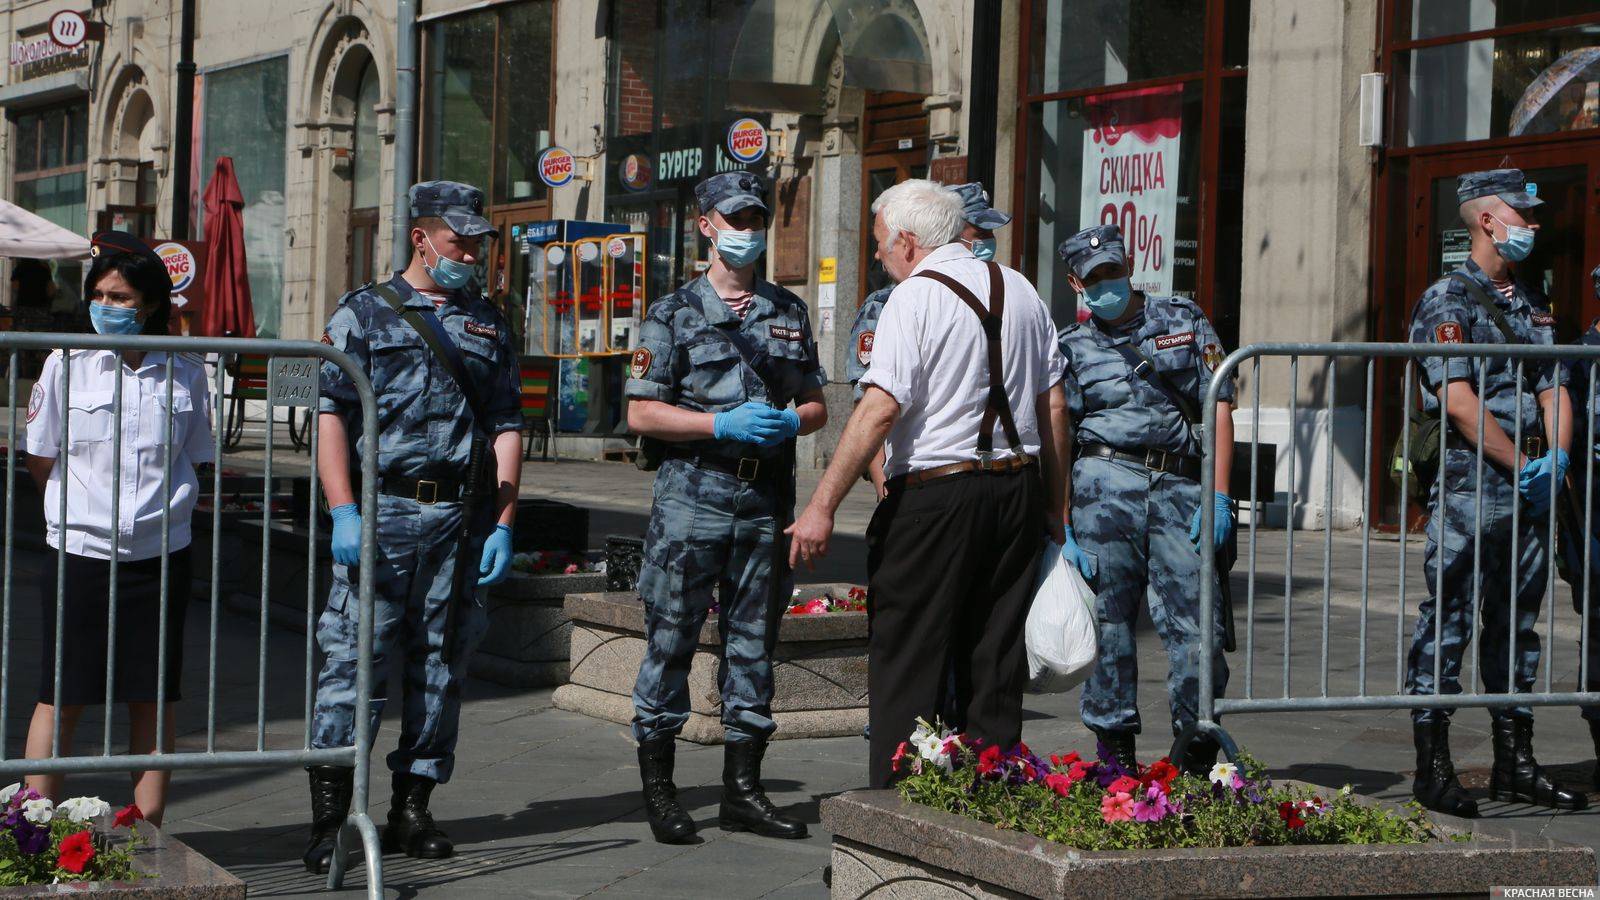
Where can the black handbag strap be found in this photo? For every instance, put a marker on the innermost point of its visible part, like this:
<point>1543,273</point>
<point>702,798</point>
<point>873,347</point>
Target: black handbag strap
<point>1145,368</point>
<point>989,317</point>
<point>432,331</point>
<point>754,355</point>
<point>1490,309</point>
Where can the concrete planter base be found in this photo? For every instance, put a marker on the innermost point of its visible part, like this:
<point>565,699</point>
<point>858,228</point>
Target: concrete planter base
<point>179,873</point>
<point>886,847</point>
<point>819,668</point>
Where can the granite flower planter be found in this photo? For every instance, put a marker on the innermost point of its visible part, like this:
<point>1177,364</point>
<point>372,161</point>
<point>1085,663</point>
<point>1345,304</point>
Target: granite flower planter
<point>884,846</point>
<point>819,668</point>
<point>177,873</point>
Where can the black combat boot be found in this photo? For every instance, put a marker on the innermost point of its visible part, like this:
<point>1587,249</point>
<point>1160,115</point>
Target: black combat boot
<point>1201,756</point>
<point>1120,743</point>
<point>668,822</point>
<point>1436,785</point>
<point>1518,777</point>
<point>331,787</point>
<point>1594,733</point>
<point>745,806</point>
<point>411,830</point>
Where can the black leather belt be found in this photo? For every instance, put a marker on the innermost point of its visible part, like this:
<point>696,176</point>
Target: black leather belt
<point>747,468</point>
<point>1179,464</point>
<point>422,490</point>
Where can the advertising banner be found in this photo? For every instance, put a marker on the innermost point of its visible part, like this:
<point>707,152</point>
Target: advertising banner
<point>1130,176</point>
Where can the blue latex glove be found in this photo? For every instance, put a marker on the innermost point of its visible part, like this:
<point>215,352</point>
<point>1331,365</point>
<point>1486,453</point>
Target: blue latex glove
<point>346,534</point>
<point>788,425</point>
<point>496,556</point>
<point>750,422</point>
<point>1076,555</point>
<point>1535,478</point>
<point>1221,523</point>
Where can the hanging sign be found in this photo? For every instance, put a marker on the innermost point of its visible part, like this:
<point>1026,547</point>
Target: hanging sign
<point>635,172</point>
<point>747,140</point>
<point>68,29</point>
<point>1130,176</point>
<point>556,167</point>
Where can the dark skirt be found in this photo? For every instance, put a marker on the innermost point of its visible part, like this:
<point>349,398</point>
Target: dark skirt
<point>85,604</point>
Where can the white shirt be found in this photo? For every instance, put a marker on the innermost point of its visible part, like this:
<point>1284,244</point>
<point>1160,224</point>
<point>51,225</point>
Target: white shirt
<point>86,467</point>
<point>931,356</point>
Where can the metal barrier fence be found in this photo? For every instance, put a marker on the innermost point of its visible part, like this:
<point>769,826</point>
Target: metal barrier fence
<point>1356,691</point>
<point>292,381</point>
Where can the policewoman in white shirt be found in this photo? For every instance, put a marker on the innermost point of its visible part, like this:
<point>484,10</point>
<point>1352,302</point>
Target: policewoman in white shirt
<point>128,292</point>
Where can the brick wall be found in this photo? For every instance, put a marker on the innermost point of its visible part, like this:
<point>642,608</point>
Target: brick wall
<point>636,45</point>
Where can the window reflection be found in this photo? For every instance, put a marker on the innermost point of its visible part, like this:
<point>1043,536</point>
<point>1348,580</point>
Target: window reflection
<point>1089,43</point>
<point>1438,18</point>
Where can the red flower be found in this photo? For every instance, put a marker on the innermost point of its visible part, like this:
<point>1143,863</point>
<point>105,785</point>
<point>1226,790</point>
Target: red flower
<point>1064,761</point>
<point>1061,784</point>
<point>1079,770</point>
<point>894,761</point>
<point>1161,772</point>
<point>1290,815</point>
<point>76,851</point>
<point>989,760</point>
<point>1123,785</point>
<point>128,815</point>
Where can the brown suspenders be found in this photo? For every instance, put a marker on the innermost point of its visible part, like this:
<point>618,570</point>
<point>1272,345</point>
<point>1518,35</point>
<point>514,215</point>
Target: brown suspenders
<point>998,404</point>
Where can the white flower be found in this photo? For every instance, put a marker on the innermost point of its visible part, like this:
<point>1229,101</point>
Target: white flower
<point>39,812</point>
<point>1222,773</point>
<point>8,793</point>
<point>82,809</point>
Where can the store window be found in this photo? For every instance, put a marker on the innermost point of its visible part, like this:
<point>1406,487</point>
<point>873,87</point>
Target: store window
<point>489,99</point>
<point>50,179</point>
<point>365,172</point>
<point>1133,118</point>
<point>245,118</point>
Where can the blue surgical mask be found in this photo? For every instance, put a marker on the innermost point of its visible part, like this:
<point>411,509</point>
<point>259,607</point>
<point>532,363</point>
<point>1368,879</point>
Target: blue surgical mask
<point>740,248</point>
<point>449,274</point>
<point>109,319</point>
<point>1108,298</point>
<point>1518,243</point>
<point>983,248</point>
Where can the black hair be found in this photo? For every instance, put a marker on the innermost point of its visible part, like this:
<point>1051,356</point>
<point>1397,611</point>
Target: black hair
<point>145,274</point>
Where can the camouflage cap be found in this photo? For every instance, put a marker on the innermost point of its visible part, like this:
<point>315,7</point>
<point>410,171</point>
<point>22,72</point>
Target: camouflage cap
<point>975,208</point>
<point>459,205</point>
<point>1509,185</point>
<point>1093,246</point>
<point>730,192</point>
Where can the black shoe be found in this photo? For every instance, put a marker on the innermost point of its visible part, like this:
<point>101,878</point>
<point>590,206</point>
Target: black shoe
<point>1517,777</point>
<point>1121,745</point>
<point>331,788</point>
<point>411,830</point>
<point>745,806</point>
<point>668,822</point>
<point>1201,756</point>
<point>1436,786</point>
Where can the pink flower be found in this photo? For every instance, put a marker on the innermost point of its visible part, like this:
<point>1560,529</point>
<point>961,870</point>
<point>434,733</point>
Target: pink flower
<point>571,569</point>
<point>1153,808</point>
<point>1116,807</point>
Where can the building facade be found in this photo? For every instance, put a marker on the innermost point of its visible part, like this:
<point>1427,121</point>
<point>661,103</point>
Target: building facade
<point>1226,137</point>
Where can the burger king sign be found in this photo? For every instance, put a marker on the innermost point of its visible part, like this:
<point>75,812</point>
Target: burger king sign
<point>747,141</point>
<point>556,166</point>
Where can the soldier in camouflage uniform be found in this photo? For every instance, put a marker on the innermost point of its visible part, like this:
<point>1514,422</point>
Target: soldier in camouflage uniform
<point>426,422</point>
<point>723,496</point>
<point>1133,528</point>
<point>1498,209</point>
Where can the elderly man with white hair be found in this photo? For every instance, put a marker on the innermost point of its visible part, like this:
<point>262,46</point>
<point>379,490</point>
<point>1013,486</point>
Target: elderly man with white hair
<point>963,394</point>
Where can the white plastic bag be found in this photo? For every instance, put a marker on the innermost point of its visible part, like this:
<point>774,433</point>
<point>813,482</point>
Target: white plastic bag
<point>1061,636</point>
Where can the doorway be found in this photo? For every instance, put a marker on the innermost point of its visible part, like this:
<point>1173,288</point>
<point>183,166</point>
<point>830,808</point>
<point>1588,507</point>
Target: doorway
<point>1567,179</point>
<point>894,148</point>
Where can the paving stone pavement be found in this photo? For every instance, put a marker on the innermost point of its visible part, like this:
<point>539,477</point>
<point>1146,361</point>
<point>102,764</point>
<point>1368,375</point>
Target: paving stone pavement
<point>544,802</point>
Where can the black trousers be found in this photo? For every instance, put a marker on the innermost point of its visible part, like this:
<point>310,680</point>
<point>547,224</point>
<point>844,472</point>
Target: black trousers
<point>950,570</point>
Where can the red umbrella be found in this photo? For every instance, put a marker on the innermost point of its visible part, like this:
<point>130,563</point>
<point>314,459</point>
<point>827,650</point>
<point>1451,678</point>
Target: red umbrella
<point>228,312</point>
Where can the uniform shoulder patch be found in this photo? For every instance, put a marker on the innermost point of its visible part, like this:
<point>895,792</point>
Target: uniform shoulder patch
<point>1543,319</point>
<point>35,401</point>
<point>486,331</point>
<point>864,347</point>
<point>1448,333</point>
<point>784,333</point>
<point>1212,355</point>
<point>1171,341</point>
<point>640,363</point>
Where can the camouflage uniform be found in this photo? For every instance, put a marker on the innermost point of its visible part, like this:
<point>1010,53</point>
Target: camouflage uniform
<point>424,429</point>
<point>861,337</point>
<point>1579,379</point>
<point>1135,520</point>
<point>1447,314</point>
<point>710,530</point>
